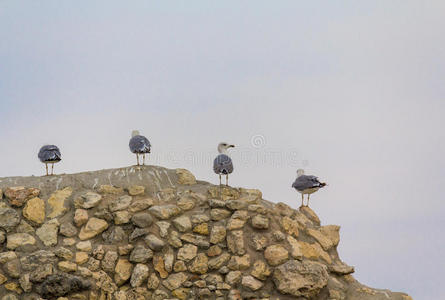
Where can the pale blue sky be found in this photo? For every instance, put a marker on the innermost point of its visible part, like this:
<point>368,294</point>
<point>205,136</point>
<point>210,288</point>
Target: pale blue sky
<point>351,91</point>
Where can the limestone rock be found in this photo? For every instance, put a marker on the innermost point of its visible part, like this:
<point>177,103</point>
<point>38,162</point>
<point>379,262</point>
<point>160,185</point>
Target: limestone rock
<point>80,217</point>
<point>123,271</point>
<point>186,202</point>
<point>94,227</point>
<point>19,239</point>
<point>325,242</point>
<point>258,242</point>
<point>251,283</point>
<point>199,218</point>
<point>17,196</point>
<point>139,275</point>
<point>296,251</point>
<point>290,226</point>
<point>185,177</point>
<point>310,214</point>
<point>12,268</point>
<point>136,190</point>
<point>314,252</point>
<point>214,250</point>
<point>34,210</point>
<point>153,282</point>
<point>218,214</point>
<point>165,212</point>
<point>121,203</point>
<point>218,262</point>
<point>109,189</point>
<point>187,252</point>
<point>163,228</point>
<point>233,277</point>
<point>84,246</point>
<point>109,261</point>
<point>260,270</point>
<point>25,284</point>
<point>260,222</point>
<point>47,233</point>
<point>182,223</point>
<point>67,229</point>
<point>114,235</point>
<point>217,234</point>
<point>81,257</point>
<point>174,281</point>
<point>88,200</point>
<point>300,279</point>
<point>142,219</point>
<point>235,242</point>
<point>159,266</point>
<point>140,254</point>
<point>276,255</point>
<point>332,232</point>
<point>67,266</point>
<point>155,243</point>
<point>64,253</point>
<point>56,202</point>
<point>121,217</point>
<point>202,228</point>
<point>140,205</point>
<point>24,227</point>
<point>9,218</point>
<point>199,264</point>
<point>236,204</point>
<point>239,262</point>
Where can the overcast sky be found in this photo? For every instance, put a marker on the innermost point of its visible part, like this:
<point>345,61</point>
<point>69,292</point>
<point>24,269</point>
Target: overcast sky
<point>352,91</point>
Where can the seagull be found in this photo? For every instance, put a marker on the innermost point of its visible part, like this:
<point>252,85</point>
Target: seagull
<point>306,184</point>
<point>139,144</point>
<point>49,154</point>
<point>222,165</point>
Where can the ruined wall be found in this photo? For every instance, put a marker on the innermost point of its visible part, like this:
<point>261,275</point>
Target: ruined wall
<point>154,233</point>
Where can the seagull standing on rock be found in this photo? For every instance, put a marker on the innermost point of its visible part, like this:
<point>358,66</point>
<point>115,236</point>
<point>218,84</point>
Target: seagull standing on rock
<point>222,165</point>
<point>49,154</point>
<point>306,184</point>
<point>139,144</point>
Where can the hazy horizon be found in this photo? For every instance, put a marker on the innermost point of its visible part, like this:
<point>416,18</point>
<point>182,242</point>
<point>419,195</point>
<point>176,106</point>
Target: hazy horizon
<point>351,92</point>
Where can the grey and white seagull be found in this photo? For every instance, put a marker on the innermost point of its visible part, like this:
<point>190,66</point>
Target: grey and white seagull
<point>139,144</point>
<point>222,165</point>
<point>49,154</point>
<point>306,184</point>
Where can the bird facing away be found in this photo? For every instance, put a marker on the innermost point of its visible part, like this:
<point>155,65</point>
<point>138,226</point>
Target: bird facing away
<point>49,154</point>
<point>306,184</point>
<point>139,144</point>
<point>222,165</point>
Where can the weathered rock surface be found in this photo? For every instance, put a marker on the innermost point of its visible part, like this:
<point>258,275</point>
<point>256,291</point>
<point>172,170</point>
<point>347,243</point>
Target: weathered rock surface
<point>153,233</point>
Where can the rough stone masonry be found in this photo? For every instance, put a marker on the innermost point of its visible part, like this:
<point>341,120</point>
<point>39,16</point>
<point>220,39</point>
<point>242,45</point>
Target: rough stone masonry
<point>155,233</point>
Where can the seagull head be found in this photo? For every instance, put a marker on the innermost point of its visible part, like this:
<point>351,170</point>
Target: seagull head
<point>134,133</point>
<point>223,146</point>
<point>300,172</point>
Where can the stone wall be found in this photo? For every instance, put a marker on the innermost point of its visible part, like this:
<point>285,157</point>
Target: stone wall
<point>154,233</point>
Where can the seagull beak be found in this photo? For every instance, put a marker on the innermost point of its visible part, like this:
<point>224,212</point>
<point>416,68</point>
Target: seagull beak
<point>232,146</point>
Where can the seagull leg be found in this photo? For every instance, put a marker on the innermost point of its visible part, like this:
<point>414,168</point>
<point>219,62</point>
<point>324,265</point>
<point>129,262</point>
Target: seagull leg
<point>52,169</point>
<point>227,179</point>
<point>143,161</point>
<point>46,165</point>
<point>137,159</point>
<point>308,196</point>
<point>220,187</point>
<point>302,200</point>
